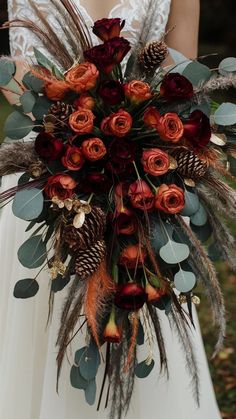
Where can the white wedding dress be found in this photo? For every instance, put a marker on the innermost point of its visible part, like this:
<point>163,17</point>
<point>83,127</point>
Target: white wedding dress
<point>27,347</point>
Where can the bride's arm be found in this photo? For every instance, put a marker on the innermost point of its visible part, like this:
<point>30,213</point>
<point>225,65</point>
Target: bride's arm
<point>184,19</point>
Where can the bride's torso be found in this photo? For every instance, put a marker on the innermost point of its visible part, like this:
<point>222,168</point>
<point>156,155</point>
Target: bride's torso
<point>133,11</point>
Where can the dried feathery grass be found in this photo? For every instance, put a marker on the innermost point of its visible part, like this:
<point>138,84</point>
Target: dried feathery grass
<point>224,192</point>
<point>134,320</point>
<point>218,205</point>
<point>217,83</point>
<point>209,278</point>
<point>153,314</point>
<point>16,157</point>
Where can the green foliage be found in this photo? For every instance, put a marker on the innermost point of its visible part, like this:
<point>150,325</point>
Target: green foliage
<point>144,368</point>
<point>18,125</point>
<point>28,204</point>
<point>32,253</point>
<point>7,70</point>
<point>26,288</point>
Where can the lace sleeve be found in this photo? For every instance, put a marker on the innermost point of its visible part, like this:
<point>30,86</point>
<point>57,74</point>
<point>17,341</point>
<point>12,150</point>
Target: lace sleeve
<point>161,17</point>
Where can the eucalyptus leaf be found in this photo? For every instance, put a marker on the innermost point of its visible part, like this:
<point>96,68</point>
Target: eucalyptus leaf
<point>203,233</point>
<point>59,283</point>
<point>76,379</point>
<point>26,288</point>
<point>32,253</point>
<point>7,70</point>
<point>161,232</point>
<point>45,62</point>
<point>205,107</point>
<point>89,362</point>
<point>196,72</point>
<point>200,217</point>
<point>18,125</point>
<point>225,114</point>
<point>192,204</point>
<point>144,368</point>
<point>174,252</point>
<point>184,281</point>
<point>90,392</point>
<point>28,204</point>
<point>228,65</point>
<point>214,253</point>
<point>28,100</point>
<point>41,107</point>
<point>180,60</point>
<point>140,337</point>
<point>33,83</point>
<point>24,179</point>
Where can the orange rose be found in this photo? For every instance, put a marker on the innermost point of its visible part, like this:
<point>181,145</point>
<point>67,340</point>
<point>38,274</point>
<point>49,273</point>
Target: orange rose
<point>137,91</point>
<point>56,89</point>
<point>170,199</point>
<point>81,121</point>
<point>151,117</point>
<point>61,186</point>
<point>84,101</point>
<point>155,161</point>
<point>93,149</point>
<point>170,127</point>
<point>73,159</point>
<point>118,124</point>
<point>132,256</point>
<point>82,77</point>
<point>141,195</point>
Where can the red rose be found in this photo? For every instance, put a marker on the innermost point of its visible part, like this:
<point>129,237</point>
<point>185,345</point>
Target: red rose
<point>117,124</point>
<point>122,151</point>
<point>93,149</point>
<point>111,92</point>
<point>61,186</point>
<point>155,161</point>
<point>170,127</point>
<point>84,101</point>
<point>175,86</point>
<point>125,221</point>
<point>137,91</point>
<point>81,121</point>
<point>130,296</point>
<point>96,182</point>
<point>48,147</point>
<point>106,29</point>
<point>151,117</point>
<point>170,199</point>
<point>132,256</point>
<point>197,129</point>
<point>73,159</point>
<point>141,195</point>
<point>82,77</point>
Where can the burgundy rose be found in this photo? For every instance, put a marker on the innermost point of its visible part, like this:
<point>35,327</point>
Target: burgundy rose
<point>96,182</point>
<point>122,154</point>
<point>106,29</point>
<point>120,47</point>
<point>130,296</point>
<point>48,147</point>
<point>111,92</point>
<point>141,195</point>
<point>175,86</point>
<point>197,129</point>
<point>125,222</point>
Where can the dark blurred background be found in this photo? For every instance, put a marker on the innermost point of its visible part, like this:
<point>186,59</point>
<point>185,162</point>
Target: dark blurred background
<point>217,35</point>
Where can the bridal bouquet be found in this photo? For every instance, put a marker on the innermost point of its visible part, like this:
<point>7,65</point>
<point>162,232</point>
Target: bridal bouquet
<point>123,181</point>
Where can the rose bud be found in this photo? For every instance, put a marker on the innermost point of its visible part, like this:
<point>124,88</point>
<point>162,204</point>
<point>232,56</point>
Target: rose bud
<point>125,222</point>
<point>170,199</point>
<point>93,149</point>
<point>106,29</point>
<point>56,89</point>
<point>81,121</point>
<point>153,294</point>
<point>61,186</point>
<point>84,101</point>
<point>96,182</point>
<point>137,91</point>
<point>175,87</point>
<point>48,147</point>
<point>132,256</point>
<point>155,161</point>
<point>141,195</point>
<point>73,159</point>
<point>197,129</point>
<point>151,117</point>
<point>130,296</point>
<point>82,77</point>
<point>112,333</point>
<point>170,127</point>
<point>117,124</point>
<point>111,92</point>
<point>102,57</point>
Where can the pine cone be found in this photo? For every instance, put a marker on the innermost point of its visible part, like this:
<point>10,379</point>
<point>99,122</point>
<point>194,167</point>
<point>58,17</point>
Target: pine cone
<point>152,56</point>
<point>61,111</point>
<point>91,231</point>
<point>87,261</point>
<point>189,165</point>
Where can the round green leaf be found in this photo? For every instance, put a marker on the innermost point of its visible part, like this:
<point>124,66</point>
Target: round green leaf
<point>18,125</point>
<point>184,281</point>
<point>200,217</point>
<point>28,204</point>
<point>144,368</point>
<point>203,233</point>
<point>228,65</point>
<point>28,100</point>
<point>7,70</point>
<point>23,179</point>
<point>89,362</point>
<point>41,107</point>
<point>90,392</point>
<point>174,252</point>
<point>26,288</point>
<point>32,253</point>
<point>225,114</point>
<point>196,72</point>
<point>33,83</point>
<point>161,232</point>
<point>59,283</point>
<point>76,379</point>
<point>192,204</point>
<point>140,337</point>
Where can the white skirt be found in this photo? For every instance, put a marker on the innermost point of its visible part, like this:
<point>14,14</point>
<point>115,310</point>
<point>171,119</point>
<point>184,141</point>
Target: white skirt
<point>28,354</point>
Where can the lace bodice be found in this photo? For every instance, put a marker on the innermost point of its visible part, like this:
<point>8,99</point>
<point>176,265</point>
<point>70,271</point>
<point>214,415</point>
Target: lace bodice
<point>133,11</point>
